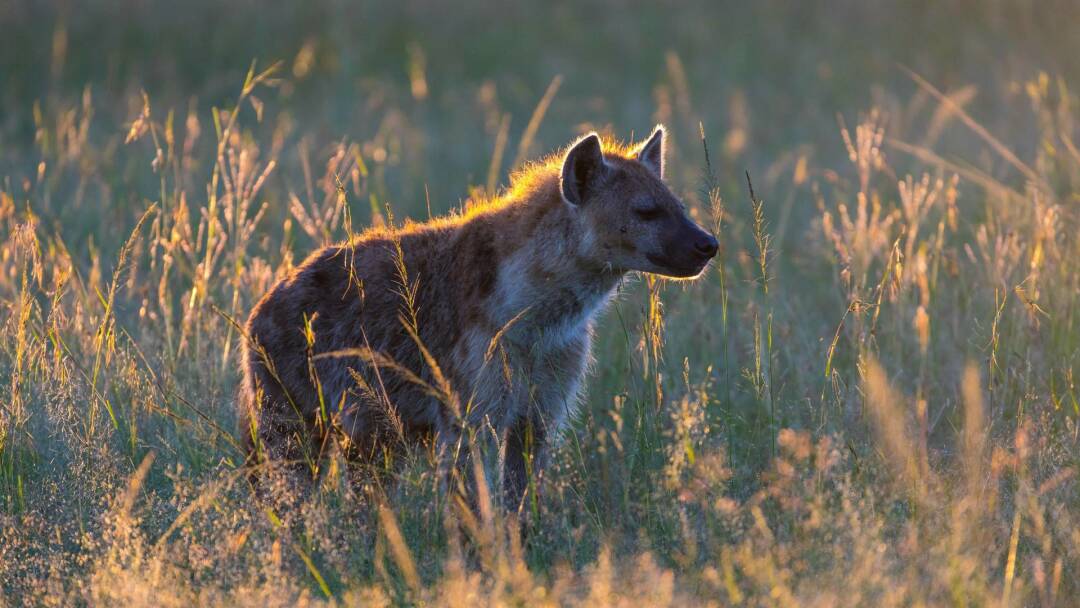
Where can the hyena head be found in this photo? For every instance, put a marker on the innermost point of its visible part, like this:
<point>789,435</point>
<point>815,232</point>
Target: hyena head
<point>634,221</point>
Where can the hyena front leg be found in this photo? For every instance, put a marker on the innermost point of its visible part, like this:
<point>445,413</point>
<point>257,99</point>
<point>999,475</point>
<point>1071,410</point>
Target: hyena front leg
<point>463,447</point>
<point>524,458</point>
<point>455,459</point>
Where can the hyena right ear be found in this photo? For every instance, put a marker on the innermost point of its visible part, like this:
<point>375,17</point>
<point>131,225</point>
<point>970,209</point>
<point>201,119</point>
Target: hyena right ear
<point>651,153</point>
<point>582,169</point>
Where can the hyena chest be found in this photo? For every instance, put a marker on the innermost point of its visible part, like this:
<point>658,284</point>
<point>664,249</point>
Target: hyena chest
<point>528,351</point>
<point>513,378</point>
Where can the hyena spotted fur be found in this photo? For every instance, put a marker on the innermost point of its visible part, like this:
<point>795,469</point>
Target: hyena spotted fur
<point>480,320</point>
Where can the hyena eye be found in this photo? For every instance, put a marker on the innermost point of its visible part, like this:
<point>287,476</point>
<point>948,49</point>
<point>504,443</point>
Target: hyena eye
<point>652,213</point>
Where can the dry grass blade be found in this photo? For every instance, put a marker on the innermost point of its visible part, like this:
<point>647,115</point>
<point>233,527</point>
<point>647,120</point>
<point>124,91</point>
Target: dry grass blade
<point>974,439</point>
<point>383,361</point>
<point>104,329</point>
<point>135,483</point>
<point>979,130</point>
<point>398,548</point>
<point>969,173</point>
<point>173,394</point>
<point>495,167</point>
<point>445,393</point>
<point>206,497</point>
<point>497,338</point>
<point>535,120</point>
<point>890,426</point>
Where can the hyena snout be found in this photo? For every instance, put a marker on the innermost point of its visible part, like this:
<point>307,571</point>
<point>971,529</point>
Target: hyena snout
<point>687,250</point>
<point>698,246</point>
<point>705,246</point>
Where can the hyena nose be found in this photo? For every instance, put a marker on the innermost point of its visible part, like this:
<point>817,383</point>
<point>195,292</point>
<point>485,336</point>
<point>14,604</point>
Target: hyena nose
<point>706,245</point>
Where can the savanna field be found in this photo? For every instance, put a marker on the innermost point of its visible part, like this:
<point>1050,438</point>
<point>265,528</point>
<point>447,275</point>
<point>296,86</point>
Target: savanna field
<point>869,398</point>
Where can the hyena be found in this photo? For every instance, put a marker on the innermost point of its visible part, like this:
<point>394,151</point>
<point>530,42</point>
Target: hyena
<point>481,320</point>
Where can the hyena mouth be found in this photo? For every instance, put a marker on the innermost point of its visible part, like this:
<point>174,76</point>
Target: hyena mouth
<point>678,269</point>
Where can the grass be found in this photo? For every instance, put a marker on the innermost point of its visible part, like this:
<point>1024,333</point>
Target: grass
<point>869,399</point>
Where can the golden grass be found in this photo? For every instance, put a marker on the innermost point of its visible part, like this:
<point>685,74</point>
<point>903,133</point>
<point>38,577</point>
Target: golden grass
<point>933,463</point>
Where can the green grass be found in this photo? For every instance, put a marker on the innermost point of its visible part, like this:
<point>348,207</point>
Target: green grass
<point>869,399</point>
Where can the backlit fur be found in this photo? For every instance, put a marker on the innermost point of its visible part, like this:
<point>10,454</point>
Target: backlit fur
<point>505,297</point>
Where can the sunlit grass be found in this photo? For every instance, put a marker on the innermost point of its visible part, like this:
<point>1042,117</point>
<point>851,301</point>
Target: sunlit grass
<point>878,408</point>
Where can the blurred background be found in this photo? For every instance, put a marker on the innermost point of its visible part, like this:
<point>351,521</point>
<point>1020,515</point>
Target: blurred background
<point>426,88</point>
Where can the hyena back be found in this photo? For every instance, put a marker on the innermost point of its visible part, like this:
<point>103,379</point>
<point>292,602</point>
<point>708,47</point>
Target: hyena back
<point>482,318</point>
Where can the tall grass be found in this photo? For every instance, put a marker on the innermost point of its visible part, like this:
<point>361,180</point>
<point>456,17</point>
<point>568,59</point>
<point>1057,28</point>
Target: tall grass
<point>869,398</point>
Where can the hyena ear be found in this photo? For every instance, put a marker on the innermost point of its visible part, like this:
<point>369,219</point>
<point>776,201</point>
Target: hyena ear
<point>651,153</point>
<point>583,168</point>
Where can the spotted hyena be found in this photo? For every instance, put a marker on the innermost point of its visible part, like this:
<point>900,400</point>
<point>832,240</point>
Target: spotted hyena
<point>480,320</point>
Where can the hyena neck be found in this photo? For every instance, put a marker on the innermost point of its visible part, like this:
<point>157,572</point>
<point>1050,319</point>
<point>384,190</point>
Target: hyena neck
<point>549,287</point>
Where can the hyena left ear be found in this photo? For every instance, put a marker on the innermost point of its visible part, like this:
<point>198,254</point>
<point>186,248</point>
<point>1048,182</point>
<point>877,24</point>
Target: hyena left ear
<point>582,169</point>
<point>651,153</point>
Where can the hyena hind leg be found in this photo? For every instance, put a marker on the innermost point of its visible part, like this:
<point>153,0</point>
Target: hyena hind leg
<point>281,448</point>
